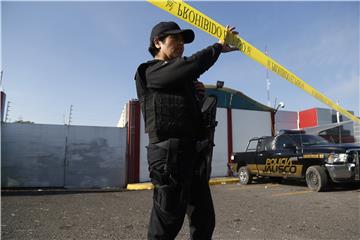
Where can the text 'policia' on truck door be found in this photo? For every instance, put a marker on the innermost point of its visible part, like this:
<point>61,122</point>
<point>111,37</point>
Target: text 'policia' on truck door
<point>277,158</point>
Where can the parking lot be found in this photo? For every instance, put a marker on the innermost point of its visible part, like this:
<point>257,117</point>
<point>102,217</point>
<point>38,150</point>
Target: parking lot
<point>261,210</point>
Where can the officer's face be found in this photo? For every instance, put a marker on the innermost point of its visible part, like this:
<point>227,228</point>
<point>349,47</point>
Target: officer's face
<point>171,47</point>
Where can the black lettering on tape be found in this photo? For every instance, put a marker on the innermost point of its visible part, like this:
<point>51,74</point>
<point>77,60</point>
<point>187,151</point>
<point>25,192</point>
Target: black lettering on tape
<point>192,15</point>
<point>206,24</point>
<point>198,20</point>
<point>185,15</point>
<point>219,32</point>
<point>170,4</point>
<point>179,13</point>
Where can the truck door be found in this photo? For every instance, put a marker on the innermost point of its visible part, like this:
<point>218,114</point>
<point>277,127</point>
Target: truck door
<point>250,156</point>
<point>282,161</point>
<point>264,152</point>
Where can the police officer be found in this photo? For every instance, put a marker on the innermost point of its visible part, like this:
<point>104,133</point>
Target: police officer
<point>170,98</point>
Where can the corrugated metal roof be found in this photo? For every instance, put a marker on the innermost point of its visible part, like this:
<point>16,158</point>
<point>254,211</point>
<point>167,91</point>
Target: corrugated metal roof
<point>231,98</point>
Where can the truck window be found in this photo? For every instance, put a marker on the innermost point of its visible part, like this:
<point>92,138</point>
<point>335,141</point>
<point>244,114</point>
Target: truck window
<point>265,144</point>
<point>252,146</point>
<point>284,139</point>
<point>299,140</point>
<point>307,140</point>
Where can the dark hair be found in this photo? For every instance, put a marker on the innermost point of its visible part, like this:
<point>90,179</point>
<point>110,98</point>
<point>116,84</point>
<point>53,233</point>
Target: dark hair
<point>152,48</point>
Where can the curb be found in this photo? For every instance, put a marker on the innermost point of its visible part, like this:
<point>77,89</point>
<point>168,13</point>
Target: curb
<point>213,181</point>
<point>223,180</point>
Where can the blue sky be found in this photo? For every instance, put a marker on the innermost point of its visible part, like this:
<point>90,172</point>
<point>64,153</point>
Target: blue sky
<point>55,54</point>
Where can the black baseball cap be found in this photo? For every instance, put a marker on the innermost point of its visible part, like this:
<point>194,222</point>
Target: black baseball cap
<point>163,29</point>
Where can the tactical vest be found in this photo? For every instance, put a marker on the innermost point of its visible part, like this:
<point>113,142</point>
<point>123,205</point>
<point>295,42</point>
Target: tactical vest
<point>167,114</point>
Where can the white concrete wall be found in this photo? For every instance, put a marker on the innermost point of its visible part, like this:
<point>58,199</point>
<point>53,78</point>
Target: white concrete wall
<point>248,124</point>
<point>34,155</point>
<point>219,164</point>
<point>96,157</point>
<point>144,141</point>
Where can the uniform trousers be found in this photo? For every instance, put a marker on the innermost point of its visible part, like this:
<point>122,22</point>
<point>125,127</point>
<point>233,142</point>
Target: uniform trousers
<point>181,188</point>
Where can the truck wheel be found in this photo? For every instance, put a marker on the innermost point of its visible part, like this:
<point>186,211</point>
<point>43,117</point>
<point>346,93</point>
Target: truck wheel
<point>244,175</point>
<point>316,178</point>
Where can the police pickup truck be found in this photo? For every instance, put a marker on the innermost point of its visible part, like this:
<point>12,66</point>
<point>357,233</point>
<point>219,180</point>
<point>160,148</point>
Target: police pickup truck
<point>294,154</point>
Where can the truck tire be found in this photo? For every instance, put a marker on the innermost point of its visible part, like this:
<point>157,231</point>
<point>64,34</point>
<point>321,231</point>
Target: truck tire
<point>316,178</point>
<point>244,175</point>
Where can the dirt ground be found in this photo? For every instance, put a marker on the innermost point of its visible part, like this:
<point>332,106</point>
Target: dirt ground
<point>257,211</point>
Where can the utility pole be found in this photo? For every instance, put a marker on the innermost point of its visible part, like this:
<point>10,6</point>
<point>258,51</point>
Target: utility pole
<point>70,114</point>
<point>1,80</point>
<point>338,121</point>
<point>66,145</point>
<point>267,82</point>
<point>7,111</point>
<point>337,114</point>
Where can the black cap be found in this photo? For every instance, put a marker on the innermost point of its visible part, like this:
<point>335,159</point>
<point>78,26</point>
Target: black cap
<point>167,28</point>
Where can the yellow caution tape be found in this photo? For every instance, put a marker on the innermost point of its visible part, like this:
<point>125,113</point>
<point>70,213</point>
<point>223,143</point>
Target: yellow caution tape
<point>189,14</point>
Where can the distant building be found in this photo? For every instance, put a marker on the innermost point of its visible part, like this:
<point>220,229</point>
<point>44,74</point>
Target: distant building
<point>123,117</point>
<point>286,120</point>
<point>319,117</point>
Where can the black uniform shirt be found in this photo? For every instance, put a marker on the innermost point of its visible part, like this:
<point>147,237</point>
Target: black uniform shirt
<point>177,77</point>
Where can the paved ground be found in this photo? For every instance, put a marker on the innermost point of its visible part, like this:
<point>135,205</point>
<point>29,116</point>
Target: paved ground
<point>257,211</point>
